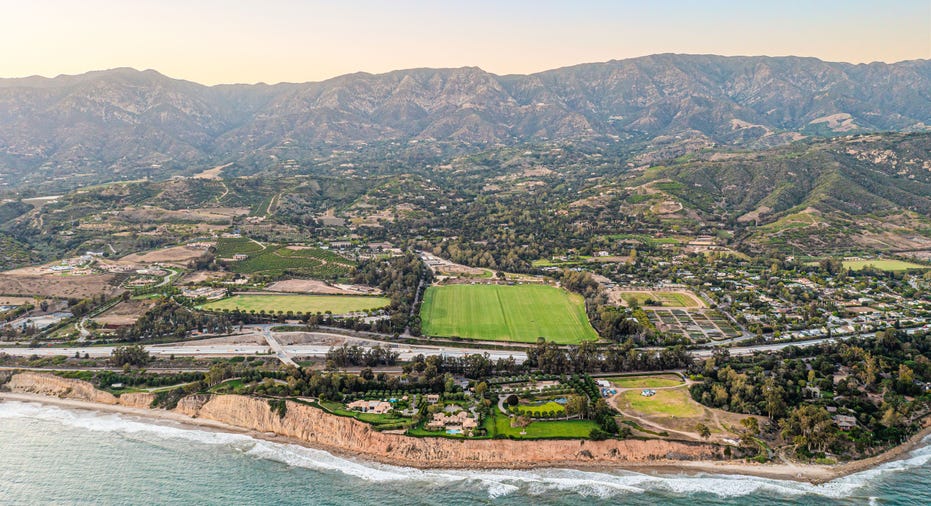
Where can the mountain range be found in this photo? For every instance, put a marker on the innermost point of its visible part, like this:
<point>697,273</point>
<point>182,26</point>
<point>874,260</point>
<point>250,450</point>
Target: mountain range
<point>124,123</point>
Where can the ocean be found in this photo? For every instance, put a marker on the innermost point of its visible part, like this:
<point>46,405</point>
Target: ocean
<point>53,455</point>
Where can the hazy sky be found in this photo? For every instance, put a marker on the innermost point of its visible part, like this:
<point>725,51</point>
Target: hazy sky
<point>222,41</point>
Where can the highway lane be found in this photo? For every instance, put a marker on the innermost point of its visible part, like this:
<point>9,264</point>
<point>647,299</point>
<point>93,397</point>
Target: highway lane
<point>748,350</point>
<point>194,349</point>
<point>406,352</point>
<point>279,350</point>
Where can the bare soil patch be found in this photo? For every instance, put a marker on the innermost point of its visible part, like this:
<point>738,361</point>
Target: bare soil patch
<point>321,287</point>
<point>125,313</point>
<point>246,338</point>
<point>755,214</point>
<point>613,259</point>
<point>537,172</point>
<point>200,276</point>
<point>204,215</point>
<point>454,269</point>
<point>213,173</point>
<point>56,285</point>
<point>6,300</point>
<point>918,255</point>
<point>667,207</point>
<point>173,254</point>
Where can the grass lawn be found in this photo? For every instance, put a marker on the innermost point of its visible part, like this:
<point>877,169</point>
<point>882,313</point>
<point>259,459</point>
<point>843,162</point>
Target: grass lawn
<point>372,418</point>
<point>675,402</point>
<point>338,409</point>
<point>519,313</point>
<point>883,265</point>
<point>228,386</point>
<point>336,304</point>
<point>542,430</point>
<point>543,408</point>
<point>672,299</point>
<point>646,381</point>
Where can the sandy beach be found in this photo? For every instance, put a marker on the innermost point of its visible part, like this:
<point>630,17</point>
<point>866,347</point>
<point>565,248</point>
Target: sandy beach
<point>782,471</point>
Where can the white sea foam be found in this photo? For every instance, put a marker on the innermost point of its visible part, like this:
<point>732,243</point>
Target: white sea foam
<point>494,482</point>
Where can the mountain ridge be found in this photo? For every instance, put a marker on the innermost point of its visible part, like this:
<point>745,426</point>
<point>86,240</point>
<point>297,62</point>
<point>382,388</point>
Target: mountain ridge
<point>132,123</point>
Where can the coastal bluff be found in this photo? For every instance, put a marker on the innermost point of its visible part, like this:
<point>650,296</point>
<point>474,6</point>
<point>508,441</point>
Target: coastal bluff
<point>65,388</point>
<point>317,428</point>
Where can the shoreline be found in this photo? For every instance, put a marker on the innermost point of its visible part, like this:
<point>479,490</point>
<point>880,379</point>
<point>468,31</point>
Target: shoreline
<point>807,473</point>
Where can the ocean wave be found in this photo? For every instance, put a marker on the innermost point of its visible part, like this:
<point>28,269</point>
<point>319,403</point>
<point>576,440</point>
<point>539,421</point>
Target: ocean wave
<point>495,483</point>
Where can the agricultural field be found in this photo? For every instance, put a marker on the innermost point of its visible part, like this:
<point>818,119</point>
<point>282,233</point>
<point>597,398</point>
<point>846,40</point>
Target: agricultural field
<point>276,260</point>
<point>518,313</point>
<point>664,298</point>
<point>336,304</point>
<point>227,247</point>
<point>698,325</point>
<point>883,265</point>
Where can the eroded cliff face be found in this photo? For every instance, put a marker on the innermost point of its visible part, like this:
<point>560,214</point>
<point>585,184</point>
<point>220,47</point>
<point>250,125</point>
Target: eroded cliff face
<point>136,400</point>
<point>321,429</point>
<point>55,386</point>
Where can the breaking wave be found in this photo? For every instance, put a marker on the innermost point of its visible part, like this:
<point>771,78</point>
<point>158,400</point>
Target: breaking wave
<point>495,483</point>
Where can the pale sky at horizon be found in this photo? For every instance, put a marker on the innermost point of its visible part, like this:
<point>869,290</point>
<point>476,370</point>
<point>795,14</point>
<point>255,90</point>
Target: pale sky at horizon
<point>235,41</point>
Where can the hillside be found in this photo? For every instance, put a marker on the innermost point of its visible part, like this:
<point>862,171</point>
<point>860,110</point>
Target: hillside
<point>125,124</point>
<point>870,192</point>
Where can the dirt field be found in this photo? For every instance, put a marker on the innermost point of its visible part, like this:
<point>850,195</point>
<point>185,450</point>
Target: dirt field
<point>667,207</point>
<point>444,267</point>
<point>213,173</point>
<point>919,255</point>
<point>58,285</point>
<point>204,215</point>
<point>125,313</point>
<point>316,286</point>
<point>15,301</point>
<point>200,277</point>
<point>246,338</point>
<point>174,254</point>
<point>609,260</point>
<point>458,270</point>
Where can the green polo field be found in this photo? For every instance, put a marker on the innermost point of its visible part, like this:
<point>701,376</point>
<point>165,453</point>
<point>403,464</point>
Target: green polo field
<point>519,313</point>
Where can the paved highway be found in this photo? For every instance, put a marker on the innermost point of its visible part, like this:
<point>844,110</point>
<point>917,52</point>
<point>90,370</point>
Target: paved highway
<point>407,352</point>
<point>284,352</point>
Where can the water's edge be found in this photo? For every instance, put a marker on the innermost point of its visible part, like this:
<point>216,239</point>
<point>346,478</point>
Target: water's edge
<point>496,482</point>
